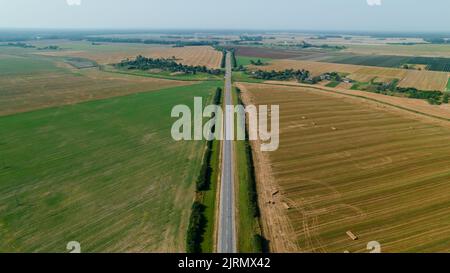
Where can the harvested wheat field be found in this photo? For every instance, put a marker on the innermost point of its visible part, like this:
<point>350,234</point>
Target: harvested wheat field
<point>422,80</point>
<point>433,112</point>
<point>21,93</point>
<point>114,53</point>
<point>346,165</point>
<point>193,55</point>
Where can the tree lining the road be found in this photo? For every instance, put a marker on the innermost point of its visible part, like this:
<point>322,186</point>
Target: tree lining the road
<point>199,220</point>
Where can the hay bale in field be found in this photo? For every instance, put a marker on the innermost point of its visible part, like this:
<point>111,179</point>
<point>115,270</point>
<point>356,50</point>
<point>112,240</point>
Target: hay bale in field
<point>334,128</point>
<point>286,206</point>
<point>304,117</point>
<point>352,235</point>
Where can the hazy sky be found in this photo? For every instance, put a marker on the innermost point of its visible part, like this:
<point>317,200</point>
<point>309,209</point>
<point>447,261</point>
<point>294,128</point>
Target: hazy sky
<point>370,15</point>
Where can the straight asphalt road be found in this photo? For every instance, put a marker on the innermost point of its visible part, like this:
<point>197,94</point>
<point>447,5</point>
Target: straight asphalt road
<point>227,209</point>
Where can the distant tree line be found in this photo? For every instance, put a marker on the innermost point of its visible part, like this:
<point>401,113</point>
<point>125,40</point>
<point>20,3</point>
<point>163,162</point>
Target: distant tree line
<point>304,45</point>
<point>179,43</point>
<point>437,40</point>
<point>19,44</point>
<point>25,45</point>
<point>324,37</point>
<point>143,63</point>
<point>251,38</point>
<point>50,47</point>
<point>240,42</point>
<point>177,37</point>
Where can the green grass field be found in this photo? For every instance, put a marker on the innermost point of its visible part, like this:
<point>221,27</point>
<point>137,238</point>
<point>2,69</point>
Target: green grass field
<point>18,65</point>
<point>244,61</point>
<point>105,173</point>
<point>165,75</point>
<point>30,82</point>
<point>88,46</point>
<point>247,224</point>
<point>244,77</point>
<point>448,85</point>
<point>332,84</point>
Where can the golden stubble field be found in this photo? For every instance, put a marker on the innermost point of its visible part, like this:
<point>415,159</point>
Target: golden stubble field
<point>346,165</point>
<point>422,80</point>
<point>189,55</point>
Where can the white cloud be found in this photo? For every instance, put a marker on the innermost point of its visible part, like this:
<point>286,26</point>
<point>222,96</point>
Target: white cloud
<point>73,2</point>
<point>374,3</point>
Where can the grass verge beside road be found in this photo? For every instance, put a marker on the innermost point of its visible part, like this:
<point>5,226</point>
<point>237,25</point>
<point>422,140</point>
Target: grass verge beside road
<point>250,239</point>
<point>164,75</point>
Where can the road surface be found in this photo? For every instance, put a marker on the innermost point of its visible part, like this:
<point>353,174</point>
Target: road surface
<point>227,220</point>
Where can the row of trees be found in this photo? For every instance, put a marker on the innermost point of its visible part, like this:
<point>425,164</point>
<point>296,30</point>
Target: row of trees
<point>391,88</point>
<point>304,45</point>
<point>438,40</point>
<point>233,58</point>
<point>143,63</point>
<point>20,44</point>
<point>257,63</point>
<point>223,63</point>
<point>203,182</point>
<point>433,97</point>
<point>288,74</point>
<point>196,228</point>
<point>50,47</point>
<point>198,220</point>
<point>24,45</point>
<point>251,38</point>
